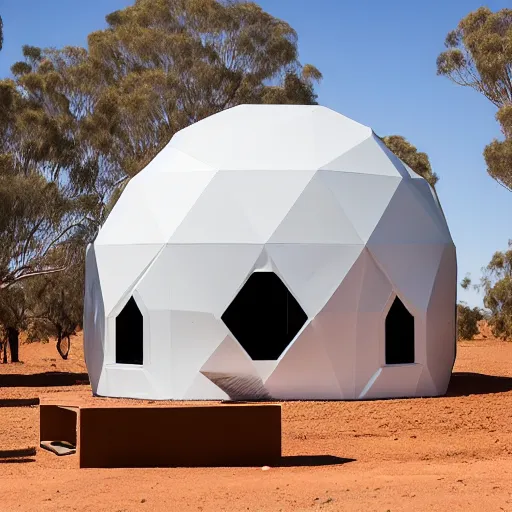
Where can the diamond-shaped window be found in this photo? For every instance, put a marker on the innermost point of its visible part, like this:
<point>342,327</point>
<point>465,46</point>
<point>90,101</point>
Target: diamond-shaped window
<point>399,334</point>
<point>129,334</point>
<point>264,317</point>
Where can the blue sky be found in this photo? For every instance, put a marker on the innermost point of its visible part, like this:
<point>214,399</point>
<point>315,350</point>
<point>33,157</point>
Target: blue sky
<point>378,61</point>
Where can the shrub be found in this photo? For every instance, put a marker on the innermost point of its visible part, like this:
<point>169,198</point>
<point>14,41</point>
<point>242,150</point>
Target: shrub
<point>467,321</point>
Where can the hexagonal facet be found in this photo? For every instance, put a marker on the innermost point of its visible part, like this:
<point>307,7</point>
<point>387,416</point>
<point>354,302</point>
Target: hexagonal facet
<point>399,334</point>
<point>129,333</point>
<point>264,317</point>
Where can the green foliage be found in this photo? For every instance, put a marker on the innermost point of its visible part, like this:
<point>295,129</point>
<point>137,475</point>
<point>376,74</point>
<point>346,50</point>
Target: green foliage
<point>13,308</point>
<point>13,318</point>
<point>77,124</point>
<point>467,321</point>
<point>479,55</point>
<point>497,285</point>
<point>56,304</point>
<point>417,161</point>
<point>466,282</point>
<point>498,157</point>
<point>158,67</point>
<point>37,214</point>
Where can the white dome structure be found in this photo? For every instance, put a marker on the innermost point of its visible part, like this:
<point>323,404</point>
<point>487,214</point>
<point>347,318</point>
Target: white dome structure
<point>272,252</point>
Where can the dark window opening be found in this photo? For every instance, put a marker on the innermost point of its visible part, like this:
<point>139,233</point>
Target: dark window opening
<point>129,334</point>
<point>264,317</point>
<point>399,334</point>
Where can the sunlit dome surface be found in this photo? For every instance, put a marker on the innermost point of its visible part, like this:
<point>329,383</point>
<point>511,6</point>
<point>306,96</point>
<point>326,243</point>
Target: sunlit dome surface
<point>272,251</point>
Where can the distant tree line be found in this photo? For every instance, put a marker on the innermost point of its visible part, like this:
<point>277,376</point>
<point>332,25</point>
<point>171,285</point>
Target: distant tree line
<point>76,124</point>
<point>496,284</point>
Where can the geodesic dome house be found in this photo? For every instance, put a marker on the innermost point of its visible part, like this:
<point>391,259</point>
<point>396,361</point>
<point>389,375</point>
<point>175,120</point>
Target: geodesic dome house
<point>272,252</point>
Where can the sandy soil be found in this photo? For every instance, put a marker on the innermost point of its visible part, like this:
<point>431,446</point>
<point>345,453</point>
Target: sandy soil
<point>450,453</point>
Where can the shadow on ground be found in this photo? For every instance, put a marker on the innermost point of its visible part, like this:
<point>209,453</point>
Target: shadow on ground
<point>12,380</point>
<point>465,384</point>
<point>17,454</point>
<point>18,402</point>
<point>16,461</point>
<point>312,460</point>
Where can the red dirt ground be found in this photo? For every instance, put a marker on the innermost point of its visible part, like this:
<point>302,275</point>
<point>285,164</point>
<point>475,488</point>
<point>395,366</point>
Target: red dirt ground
<point>436,454</point>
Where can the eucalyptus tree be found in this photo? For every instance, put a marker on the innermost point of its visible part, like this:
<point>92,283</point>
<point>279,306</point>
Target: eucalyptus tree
<point>39,222</point>
<point>76,124</point>
<point>159,66</point>
<point>479,55</point>
<point>36,213</point>
<point>497,286</point>
<point>56,305</point>
<point>416,160</point>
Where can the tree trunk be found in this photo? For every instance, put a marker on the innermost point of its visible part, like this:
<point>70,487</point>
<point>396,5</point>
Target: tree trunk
<point>4,346</point>
<point>14,342</point>
<point>62,349</point>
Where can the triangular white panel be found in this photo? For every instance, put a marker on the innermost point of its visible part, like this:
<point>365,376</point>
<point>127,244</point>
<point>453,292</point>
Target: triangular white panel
<point>304,371</point>
<point>326,142</point>
<point>157,345</point>
<point>229,357</point>
<point>346,297</point>
<point>394,381</point>
<point>426,386</point>
<point>316,218</point>
<point>208,277</point>
<point>229,144</point>
<point>406,221</point>
<point>94,321</point>
<point>171,159</point>
<point>154,286</point>
<point>202,388</point>
<point>126,382</point>
<point>264,368</point>
<point>313,272</point>
<point>336,332</point>
<point>376,288</point>
<point>194,338</point>
<point>369,348</point>
<point>392,157</point>
<point>441,325</point>
<point>119,268</point>
<point>131,221</point>
<point>231,369</point>
<point>294,137</point>
<point>170,196</point>
<point>265,197</point>
<point>264,263</point>
<point>420,337</point>
<point>376,291</point>
<point>425,198</point>
<point>216,217</point>
<point>414,175</point>
<point>411,268</point>
<point>417,178</point>
<point>363,198</point>
<point>336,327</point>
<point>368,157</point>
